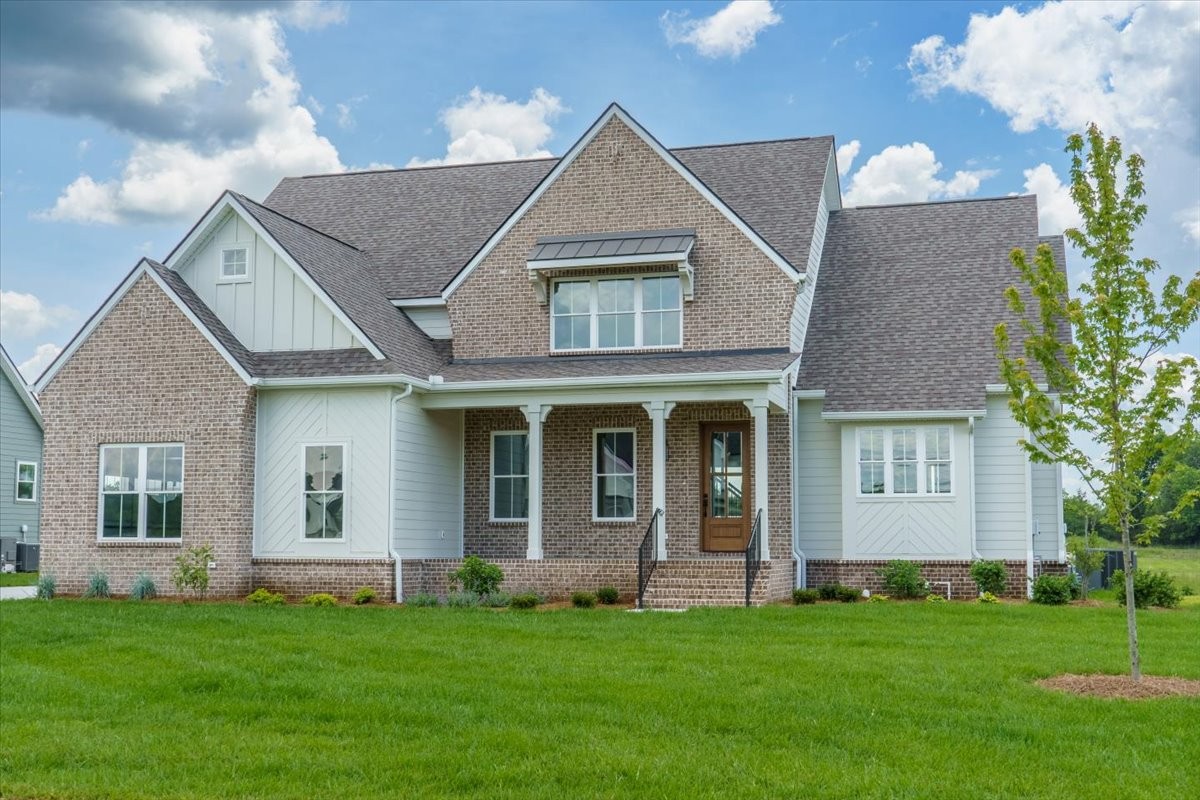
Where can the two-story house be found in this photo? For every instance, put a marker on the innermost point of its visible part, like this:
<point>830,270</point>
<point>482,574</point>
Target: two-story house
<point>694,359</point>
<point>20,459</point>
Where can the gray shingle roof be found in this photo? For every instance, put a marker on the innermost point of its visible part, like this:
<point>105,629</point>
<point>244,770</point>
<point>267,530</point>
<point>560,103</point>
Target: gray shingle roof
<point>907,300</point>
<point>551,367</point>
<point>420,227</point>
<point>207,317</point>
<point>602,245</point>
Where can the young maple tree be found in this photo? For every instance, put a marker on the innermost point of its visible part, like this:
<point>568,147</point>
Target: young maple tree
<point>1111,381</point>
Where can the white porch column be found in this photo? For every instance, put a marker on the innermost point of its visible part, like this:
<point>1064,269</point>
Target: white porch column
<point>660,412</point>
<point>758,411</point>
<point>535,415</point>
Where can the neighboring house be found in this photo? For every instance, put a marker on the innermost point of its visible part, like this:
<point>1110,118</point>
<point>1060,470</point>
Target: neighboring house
<point>555,364</point>
<point>20,457</point>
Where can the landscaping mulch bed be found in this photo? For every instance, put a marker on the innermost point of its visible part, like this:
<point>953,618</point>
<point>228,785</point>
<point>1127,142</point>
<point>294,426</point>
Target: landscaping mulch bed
<point>1123,686</point>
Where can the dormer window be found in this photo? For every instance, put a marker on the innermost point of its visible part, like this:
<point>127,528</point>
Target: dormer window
<point>618,313</point>
<point>235,263</point>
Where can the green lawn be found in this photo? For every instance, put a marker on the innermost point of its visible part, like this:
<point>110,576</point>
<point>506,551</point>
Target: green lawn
<point>1181,563</point>
<point>18,579</point>
<point>166,700</point>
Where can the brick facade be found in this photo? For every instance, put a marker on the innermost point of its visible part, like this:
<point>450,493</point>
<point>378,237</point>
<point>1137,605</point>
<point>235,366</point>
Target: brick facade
<point>617,183</point>
<point>862,575</point>
<point>553,579</point>
<point>341,577</point>
<point>147,375</point>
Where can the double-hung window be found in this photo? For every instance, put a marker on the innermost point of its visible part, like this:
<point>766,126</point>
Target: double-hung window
<point>27,473</point>
<point>617,313</point>
<point>615,479</point>
<point>141,491</point>
<point>510,476</point>
<point>324,491</point>
<point>905,461</point>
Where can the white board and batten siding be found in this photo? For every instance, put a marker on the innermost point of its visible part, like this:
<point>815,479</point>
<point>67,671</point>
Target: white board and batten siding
<point>1047,510</point>
<point>429,482</point>
<point>818,482</point>
<point>272,308</point>
<point>288,419</point>
<point>1001,485</point>
<point>802,308</point>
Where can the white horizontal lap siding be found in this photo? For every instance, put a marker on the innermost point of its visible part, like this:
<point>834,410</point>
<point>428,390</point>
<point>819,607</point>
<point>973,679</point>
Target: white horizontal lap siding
<point>428,492</point>
<point>289,419</point>
<point>818,479</point>
<point>1046,504</point>
<point>1000,484</point>
<point>20,440</point>
<point>273,309</point>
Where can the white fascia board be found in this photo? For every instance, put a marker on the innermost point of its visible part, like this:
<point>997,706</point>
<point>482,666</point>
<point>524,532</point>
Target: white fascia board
<point>616,111</point>
<point>617,380</point>
<point>612,395</point>
<point>311,382</point>
<point>94,321</point>
<point>21,387</point>
<point>1000,388</point>
<point>609,261</point>
<point>421,302</point>
<point>200,233</point>
<point>882,416</point>
<point>808,394</point>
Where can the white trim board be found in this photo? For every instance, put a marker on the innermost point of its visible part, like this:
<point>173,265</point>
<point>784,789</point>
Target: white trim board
<point>143,268</point>
<point>612,111</point>
<point>22,388</point>
<point>202,231</point>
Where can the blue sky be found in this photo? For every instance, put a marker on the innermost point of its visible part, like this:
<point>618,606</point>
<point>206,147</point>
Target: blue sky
<point>121,123</point>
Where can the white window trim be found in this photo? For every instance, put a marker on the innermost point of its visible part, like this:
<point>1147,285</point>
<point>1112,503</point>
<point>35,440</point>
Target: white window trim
<point>140,491</point>
<point>922,493</point>
<point>596,475</point>
<point>345,445</point>
<point>492,477</point>
<point>594,313</point>
<point>17,482</point>
<point>221,251</point>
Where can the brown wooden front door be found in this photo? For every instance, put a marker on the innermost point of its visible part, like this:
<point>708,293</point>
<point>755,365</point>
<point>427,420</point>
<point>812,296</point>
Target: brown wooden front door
<point>725,482</point>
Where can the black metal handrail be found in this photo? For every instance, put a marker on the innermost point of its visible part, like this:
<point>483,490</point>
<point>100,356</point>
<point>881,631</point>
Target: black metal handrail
<point>647,555</point>
<point>753,561</point>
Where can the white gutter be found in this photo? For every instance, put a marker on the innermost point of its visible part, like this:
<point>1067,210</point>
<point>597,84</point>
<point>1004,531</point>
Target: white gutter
<point>344,380</point>
<point>588,381</point>
<point>846,416</point>
<point>971,486</point>
<point>399,580</point>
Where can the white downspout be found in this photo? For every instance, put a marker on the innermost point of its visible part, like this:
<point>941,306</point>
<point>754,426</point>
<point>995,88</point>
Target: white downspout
<point>399,580</point>
<point>798,557</point>
<point>1029,531</point>
<point>971,479</point>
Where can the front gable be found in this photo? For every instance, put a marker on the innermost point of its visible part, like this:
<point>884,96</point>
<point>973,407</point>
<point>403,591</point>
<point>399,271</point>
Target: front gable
<point>621,180</point>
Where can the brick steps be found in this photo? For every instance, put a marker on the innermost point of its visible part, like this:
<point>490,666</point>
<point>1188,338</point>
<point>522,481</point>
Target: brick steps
<point>686,584</point>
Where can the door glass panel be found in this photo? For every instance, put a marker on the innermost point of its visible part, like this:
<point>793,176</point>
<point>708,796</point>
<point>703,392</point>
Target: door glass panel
<point>725,475</point>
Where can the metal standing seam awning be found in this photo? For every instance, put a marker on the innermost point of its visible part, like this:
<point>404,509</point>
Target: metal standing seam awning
<point>671,246</point>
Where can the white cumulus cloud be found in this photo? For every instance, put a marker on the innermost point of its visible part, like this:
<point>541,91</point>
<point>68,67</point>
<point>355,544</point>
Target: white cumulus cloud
<point>32,368</point>
<point>1056,209</point>
<point>23,316</point>
<point>1189,220</point>
<point>909,173</point>
<point>489,127</point>
<point>846,155</point>
<point>730,32</point>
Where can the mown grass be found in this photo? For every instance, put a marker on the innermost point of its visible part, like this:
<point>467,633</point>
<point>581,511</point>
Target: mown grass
<point>113,699</point>
<point>18,579</point>
<point>1181,563</point>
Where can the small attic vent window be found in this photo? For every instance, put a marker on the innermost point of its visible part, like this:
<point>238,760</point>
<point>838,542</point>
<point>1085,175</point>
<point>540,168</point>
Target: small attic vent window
<point>235,263</point>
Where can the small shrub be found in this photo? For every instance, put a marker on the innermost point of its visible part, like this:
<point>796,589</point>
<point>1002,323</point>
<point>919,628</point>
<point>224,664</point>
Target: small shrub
<point>1149,589</point>
<point>847,594</point>
<point>265,597</point>
<point>989,576</point>
<point>477,576</point>
<point>191,570</point>
<point>805,597</point>
<point>878,598</point>
<point>903,578</point>
<point>422,600</point>
<point>143,588</point>
<point>828,591</point>
<point>97,586</point>
<point>935,598</point>
<point>524,601</point>
<point>608,595</point>
<point>583,600</point>
<point>46,586</point>
<point>1052,590</point>
<point>320,600</point>
<point>988,597</point>
<point>462,600</point>
<point>1086,557</point>
<point>364,595</point>
<point>495,600</point>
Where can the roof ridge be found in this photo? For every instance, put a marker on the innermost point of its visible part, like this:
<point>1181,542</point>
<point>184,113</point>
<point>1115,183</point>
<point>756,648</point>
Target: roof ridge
<point>304,225</point>
<point>934,202</point>
<point>752,142</point>
<point>419,168</point>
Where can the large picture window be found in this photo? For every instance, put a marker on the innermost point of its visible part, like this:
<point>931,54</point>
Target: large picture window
<point>324,491</point>
<point>616,313</point>
<point>510,475</point>
<point>615,485</point>
<point>905,461</point>
<point>141,491</point>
